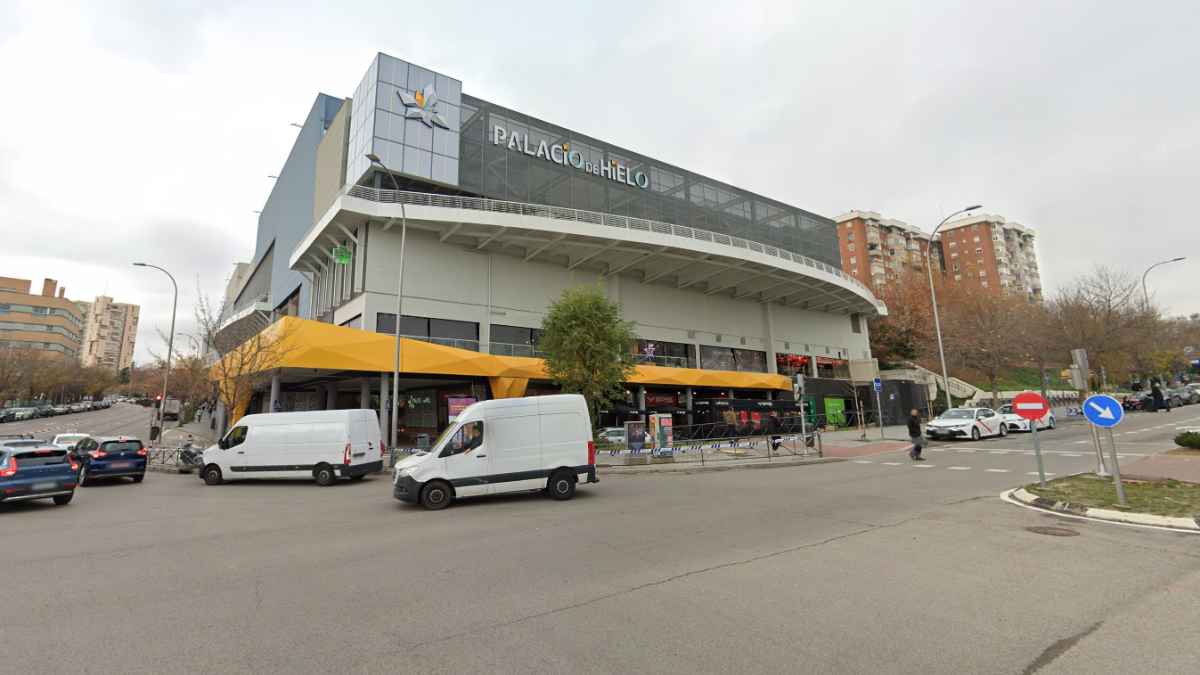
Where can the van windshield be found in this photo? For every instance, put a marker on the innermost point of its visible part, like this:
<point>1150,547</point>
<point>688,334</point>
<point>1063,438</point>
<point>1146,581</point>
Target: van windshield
<point>446,433</point>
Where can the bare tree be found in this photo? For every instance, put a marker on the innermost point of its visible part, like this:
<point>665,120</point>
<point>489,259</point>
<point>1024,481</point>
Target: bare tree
<point>985,331</point>
<point>242,355</point>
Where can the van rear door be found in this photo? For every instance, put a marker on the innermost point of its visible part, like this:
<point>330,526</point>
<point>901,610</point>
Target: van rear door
<point>362,448</point>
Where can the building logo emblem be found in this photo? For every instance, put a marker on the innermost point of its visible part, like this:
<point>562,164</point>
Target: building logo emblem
<point>422,105</point>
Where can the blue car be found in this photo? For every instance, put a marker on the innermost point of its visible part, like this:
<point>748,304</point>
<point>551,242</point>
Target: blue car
<point>42,472</point>
<point>110,458</point>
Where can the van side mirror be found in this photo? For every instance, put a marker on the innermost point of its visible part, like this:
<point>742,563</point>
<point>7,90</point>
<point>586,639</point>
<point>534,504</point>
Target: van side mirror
<point>223,444</point>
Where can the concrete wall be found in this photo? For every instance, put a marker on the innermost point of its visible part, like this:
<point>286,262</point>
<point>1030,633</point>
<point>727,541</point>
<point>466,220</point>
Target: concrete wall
<point>331,162</point>
<point>450,282</point>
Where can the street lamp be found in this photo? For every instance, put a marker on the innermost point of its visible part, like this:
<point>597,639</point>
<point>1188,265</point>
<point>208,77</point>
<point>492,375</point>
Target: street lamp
<point>1145,295</point>
<point>937,323</point>
<point>395,425</point>
<point>162,405</point>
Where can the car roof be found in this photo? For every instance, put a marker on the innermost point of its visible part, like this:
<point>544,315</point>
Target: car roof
<point>109,439</point>
<point>24,442</point>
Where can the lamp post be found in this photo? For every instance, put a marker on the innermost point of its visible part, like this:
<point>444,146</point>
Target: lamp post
<point>162,405</point>
<point>937,323</point>
<point>1146,295</point>
<point>395,425</point>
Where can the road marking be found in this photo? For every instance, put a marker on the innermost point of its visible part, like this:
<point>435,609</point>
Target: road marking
<point>966,450</point>
<point>892,463</point>
<point>997,470</point>
<point>937,449</point>
<point>1070,454</point>
<point>958,468</point>
<point>924,466</point>
<point>1034,473</point>
<point>1080,442</point>
<point>863,461</point>
<point>999,452</point>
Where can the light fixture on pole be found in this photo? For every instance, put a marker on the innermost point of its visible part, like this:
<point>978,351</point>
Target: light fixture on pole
<point>1146,295</point>
<point>162,404</point>
<point>937,323</point>
<point>395,424</point>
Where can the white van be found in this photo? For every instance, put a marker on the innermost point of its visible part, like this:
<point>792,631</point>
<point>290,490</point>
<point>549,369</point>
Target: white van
<point>503,445</point>
<point>321,444</point>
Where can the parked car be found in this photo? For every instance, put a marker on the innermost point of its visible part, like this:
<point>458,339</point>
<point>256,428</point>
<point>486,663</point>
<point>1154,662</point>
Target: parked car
<point>1015,422</point>
<point>110,457</point>
<point>22,414</point>
<point>67,441</point>
<point>1181,396</point>
<point>60,409</point>
<point>8,414</point>
<point>973,423</point>
<point>505,445</point>
<point>612,435</point>
<point>37,472</point>
<point>319,444</point>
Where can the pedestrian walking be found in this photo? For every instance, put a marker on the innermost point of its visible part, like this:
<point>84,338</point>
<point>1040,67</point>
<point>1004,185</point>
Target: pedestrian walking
<point>914,434</point>
<point>1156,394</point>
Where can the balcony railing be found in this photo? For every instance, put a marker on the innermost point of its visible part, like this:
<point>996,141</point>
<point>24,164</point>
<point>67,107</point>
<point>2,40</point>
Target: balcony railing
<point>667,361</point>
<point>507,349</point>
<point>472,345</point>
<point>598,218</point>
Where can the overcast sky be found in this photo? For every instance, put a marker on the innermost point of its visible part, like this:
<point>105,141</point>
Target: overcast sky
<point>147,131</point>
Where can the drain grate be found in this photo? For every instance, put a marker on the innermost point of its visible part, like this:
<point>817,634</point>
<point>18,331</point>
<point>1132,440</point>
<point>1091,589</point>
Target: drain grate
<point>1053,531</point>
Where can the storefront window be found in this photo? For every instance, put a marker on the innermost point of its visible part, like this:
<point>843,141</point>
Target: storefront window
<point>790,364</point>
<point>661,353</point>
<point>728,358</point>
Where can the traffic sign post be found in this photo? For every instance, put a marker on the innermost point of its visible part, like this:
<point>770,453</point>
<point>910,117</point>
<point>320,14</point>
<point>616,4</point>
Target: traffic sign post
<point>1105,412</point>
<point>1033,407</point>
<point>879,404</point>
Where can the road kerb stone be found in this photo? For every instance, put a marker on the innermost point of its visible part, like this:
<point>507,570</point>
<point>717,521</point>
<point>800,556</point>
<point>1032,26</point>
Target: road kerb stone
<point>1023,496</point>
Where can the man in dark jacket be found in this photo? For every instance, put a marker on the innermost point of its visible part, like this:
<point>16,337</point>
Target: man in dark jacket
<point>914,434</point>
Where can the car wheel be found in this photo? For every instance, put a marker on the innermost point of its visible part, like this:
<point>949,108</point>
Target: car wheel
<point>561,485</point>
<point>436,495</point>
<point>1050,423</point>
<point>138,479</point>
<point>63,500</point>
<point>1003,430</point>
<point>324,475</point>
<point>974,433</point>
<point>212,475</point>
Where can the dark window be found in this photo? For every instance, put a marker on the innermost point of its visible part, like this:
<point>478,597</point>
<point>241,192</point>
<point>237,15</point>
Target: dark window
<point>458,330</point>
<point>468,437</point>
<point>127,446</point>
<point>515,335</point>
<point>236,437</point>
<point>856,323</point>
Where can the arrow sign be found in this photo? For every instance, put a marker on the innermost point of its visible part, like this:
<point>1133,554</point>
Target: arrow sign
<point>1103,411</point>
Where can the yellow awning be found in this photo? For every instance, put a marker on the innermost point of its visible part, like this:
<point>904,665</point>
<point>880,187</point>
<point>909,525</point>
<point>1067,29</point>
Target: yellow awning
<point>323,346</point>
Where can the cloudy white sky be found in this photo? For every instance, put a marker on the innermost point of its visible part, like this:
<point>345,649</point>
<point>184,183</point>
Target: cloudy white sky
<point>139,130</point>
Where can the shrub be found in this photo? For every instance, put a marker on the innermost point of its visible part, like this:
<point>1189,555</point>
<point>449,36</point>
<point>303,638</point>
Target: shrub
<point>1188,439</point>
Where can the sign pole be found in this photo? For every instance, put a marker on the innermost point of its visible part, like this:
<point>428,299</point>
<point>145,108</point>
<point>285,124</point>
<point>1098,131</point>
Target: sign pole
<point>879,404</point>
<point>1037,451</point>
<point>1101,470</point>
<point>1116,468</point>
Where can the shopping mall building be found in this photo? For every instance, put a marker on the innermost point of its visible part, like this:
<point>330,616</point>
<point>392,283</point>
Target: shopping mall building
<point>730,292</point>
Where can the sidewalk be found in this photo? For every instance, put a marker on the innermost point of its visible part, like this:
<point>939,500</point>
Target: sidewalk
<point>1178,464</point>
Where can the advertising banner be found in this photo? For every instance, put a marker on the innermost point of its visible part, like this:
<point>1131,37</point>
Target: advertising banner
<point>635,436</point>
<point>456,404</point>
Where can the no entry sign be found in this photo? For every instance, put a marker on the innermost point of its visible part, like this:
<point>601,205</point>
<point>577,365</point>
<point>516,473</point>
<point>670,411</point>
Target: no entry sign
<point>1030,405</point>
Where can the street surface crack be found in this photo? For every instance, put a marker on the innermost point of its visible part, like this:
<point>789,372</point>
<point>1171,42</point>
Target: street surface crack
<point>659,582</point>
<point>1059,648</point>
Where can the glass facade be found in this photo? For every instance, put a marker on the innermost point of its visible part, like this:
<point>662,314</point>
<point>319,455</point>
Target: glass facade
<point>672,195</point>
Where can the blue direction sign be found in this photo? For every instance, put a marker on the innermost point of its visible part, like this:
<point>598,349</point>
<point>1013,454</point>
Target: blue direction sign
<point>878,384</point>
<point>1104,411</point>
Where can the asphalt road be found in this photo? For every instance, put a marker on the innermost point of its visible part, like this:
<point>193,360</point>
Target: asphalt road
<point>844,568</point>
<point>121,419</point>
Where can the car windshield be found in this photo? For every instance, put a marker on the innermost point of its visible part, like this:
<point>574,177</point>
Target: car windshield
<point>1006,409</point>
<point>69,438</point>
<point>958,415</point>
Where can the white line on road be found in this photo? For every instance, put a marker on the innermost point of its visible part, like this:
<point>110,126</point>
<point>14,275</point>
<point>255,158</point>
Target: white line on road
<point>891,463</point>
<point>1070,454</point>
<point>997,470</point>
<point>924,466</point>
<point>863,461</point>
<point>1080,442</point>
<point>966,450</point>
<point>1034,473</point>
<point>958,468</point>
<point>1000,452</point>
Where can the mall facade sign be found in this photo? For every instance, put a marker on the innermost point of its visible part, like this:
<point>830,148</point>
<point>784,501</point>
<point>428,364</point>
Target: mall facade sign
<point>561,153</point>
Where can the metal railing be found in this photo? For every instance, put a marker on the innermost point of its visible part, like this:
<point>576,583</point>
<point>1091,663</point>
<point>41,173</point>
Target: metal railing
<point>667,361</point>
<point>472,345</point>
<point>598,218</point>
<point>509,349</point>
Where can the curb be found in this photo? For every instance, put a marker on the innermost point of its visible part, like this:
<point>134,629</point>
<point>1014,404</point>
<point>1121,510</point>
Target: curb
<point>1023,497</point>
<point>620,470</point>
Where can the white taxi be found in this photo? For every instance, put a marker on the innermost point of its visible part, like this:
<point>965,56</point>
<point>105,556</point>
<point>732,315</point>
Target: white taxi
<point>1015,422</point>
<point>972,423</point>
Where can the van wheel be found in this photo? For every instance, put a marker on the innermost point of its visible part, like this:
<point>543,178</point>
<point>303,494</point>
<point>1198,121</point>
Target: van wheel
<point>324,475</point>
<point>562,485</point>
<point>436,495</point>
<point>212,475</point>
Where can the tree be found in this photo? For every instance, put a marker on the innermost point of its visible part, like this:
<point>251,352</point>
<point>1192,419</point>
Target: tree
<point>1103,314</point>
<point>985,331</point>
<point>906,333</point>
<point>242,354</point>
<point>588,346</point>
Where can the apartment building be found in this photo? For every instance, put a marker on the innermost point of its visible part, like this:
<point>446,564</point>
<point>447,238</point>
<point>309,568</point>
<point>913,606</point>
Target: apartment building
<point>109,333</point>
<point>46,323</point>
<point>987,251</point>
<point>877,250</point>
